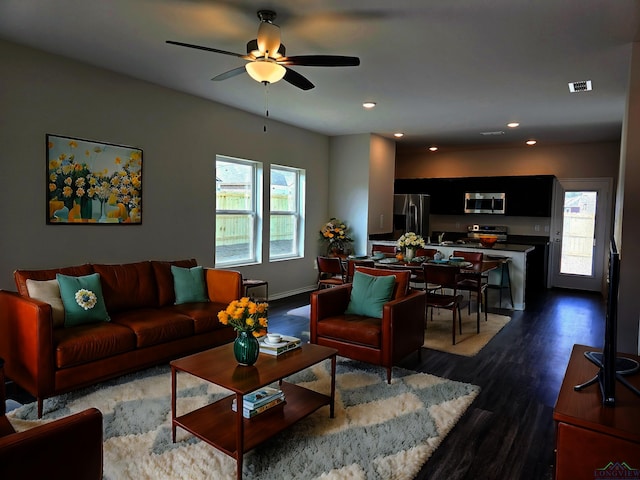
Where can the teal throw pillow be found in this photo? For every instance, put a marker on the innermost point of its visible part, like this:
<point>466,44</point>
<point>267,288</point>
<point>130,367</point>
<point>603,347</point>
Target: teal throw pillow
<point>369,293</point>
<point>189,285</point>
<point>82,299</point>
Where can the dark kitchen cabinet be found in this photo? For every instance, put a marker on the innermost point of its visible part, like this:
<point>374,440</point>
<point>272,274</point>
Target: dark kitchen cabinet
<point>447,194</point>
<point>526,196</point>
<point>529,196</point>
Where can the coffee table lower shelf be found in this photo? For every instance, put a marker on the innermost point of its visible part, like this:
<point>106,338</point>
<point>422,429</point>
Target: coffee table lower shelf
<point>216,423</point>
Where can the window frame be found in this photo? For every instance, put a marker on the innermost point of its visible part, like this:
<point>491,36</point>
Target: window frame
<point>255,212</point>
<point>297,213</point>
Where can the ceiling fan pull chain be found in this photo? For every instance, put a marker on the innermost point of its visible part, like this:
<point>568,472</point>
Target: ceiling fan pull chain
<point>266,105</point>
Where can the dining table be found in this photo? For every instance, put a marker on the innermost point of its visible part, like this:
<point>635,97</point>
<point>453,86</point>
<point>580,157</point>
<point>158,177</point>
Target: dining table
<point>479,268</point>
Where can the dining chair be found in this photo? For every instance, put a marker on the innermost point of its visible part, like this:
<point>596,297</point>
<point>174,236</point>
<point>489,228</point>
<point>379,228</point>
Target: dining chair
<point>473,282</point>
<point>330,272</point>
<point>387,250</point>
<point>426,252</point>
<point>352,263</point>
<point>417,277</point>
<point>446,276</point>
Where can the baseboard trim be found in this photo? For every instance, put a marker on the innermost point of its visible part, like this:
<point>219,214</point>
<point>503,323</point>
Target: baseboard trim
<point>290,293</point>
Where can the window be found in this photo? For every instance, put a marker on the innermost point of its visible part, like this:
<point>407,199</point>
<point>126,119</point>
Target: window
<point>287,207</point>
<point>238,209</point>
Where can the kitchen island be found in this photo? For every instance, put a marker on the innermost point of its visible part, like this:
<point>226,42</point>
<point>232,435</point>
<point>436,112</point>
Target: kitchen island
<point>517,264</point>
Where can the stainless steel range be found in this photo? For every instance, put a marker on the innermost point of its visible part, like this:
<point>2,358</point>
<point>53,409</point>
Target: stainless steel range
<point>475,231</point>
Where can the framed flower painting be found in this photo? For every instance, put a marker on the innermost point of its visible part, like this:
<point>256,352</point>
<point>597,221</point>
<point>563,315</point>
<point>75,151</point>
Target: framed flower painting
<point>93,182</point>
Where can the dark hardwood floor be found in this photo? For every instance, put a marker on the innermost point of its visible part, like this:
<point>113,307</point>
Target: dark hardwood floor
<point>508,431</point>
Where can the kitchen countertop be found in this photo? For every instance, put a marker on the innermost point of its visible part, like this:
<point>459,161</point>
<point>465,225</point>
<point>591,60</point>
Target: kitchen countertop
<point>507,247</point>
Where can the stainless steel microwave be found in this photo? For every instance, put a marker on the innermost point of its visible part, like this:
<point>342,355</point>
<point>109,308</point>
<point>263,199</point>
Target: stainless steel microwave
<point>480,202</point>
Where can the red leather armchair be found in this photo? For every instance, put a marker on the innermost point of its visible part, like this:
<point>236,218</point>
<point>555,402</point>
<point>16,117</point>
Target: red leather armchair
<point>379,341</point>
<point>70,447</point>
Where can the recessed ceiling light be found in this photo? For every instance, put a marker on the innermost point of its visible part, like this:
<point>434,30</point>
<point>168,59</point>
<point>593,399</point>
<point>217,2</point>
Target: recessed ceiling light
<point>433,149</point>
<point>369,104</point>
<point>531,142</point>
<point>513,124</point>
<point>398,134</point>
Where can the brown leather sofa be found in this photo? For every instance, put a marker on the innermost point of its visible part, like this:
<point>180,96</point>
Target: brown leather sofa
<point>380,341</point>
<point>146,327</point>
<point>70,447</point>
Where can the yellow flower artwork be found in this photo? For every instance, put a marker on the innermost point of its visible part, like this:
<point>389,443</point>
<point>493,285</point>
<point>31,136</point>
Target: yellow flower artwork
<point>93,182</point>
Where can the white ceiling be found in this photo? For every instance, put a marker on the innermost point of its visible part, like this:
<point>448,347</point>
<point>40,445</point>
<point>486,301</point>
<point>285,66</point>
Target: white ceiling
<point>441,71</point>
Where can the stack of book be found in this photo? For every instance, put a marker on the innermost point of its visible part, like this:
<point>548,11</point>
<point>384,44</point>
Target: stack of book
<point>259,401</point>
<point>287,343</point>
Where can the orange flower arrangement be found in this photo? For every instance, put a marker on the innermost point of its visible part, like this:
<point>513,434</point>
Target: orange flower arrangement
<point>246,316</point>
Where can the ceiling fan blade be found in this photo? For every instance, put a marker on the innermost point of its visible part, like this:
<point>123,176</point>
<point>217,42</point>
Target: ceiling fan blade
<point>208,49</point>
<point>229,74</point>
<point>320,61</point>
<point>297,80</point>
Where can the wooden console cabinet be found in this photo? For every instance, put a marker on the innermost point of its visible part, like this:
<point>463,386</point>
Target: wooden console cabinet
<point>591,438</point>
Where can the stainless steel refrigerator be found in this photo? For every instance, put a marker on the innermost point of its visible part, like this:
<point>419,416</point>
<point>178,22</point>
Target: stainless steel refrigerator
<point>411,214</point>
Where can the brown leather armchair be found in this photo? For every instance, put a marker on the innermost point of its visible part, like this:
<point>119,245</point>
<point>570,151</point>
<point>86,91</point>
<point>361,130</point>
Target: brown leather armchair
<point>379,341</point>
<point>70,447</point>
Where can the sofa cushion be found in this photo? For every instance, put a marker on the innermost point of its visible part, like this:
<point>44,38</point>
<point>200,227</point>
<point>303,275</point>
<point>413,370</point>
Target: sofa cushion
<point>153,326</point>
<point>164,279</point>
<point>369,293</point>
<point>204,315</point>
<point>87,343</point>
<point>127,286</point>
<point>188,284</point>
<point>48,291</point>
<point>21,276</point>
<point>78,308</point>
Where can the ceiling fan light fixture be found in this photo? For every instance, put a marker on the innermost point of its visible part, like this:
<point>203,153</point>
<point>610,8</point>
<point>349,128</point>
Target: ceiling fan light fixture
<point>268,38</point>
<point>265,71</point>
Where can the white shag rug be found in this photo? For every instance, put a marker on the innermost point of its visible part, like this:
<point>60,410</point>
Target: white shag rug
<point>380,431</point>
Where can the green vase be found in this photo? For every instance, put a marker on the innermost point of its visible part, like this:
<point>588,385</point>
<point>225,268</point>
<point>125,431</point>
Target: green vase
<point>86,207</point>
<point>246,348</point>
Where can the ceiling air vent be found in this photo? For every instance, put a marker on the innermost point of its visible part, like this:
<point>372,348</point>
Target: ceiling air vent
<point>583,86</point>
<point>498,132</point>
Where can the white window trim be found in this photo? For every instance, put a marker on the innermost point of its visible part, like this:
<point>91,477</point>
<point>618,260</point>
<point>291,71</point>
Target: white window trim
<point>298,213</point>
<point>256,212</point>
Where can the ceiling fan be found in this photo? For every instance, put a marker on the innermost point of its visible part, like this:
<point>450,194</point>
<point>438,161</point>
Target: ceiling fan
<point>266,58</point>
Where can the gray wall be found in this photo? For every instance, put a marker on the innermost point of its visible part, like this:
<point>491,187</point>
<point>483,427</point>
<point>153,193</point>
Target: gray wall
<point>349,185</point>
<point>180,136</point>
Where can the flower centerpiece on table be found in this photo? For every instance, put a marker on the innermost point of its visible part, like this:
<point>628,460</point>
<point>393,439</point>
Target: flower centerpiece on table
<point>246,316</point>
<point>249,319</point>
<point>409,242</point>
<point>335,233</point>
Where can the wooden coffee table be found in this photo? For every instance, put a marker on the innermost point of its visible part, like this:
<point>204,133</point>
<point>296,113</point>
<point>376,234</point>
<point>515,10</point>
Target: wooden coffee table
<point>228,431</point>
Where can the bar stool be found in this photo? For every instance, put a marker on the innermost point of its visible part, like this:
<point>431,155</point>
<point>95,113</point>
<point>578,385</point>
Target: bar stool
<point>505,276</point>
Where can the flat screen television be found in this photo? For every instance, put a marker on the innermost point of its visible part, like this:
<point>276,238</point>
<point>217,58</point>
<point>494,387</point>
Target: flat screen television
<point>611,367</point>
